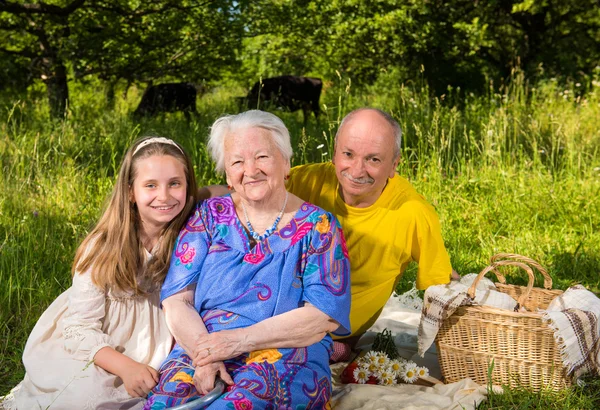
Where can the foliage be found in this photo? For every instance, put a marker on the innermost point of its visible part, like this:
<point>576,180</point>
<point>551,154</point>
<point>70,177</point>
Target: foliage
<point>578,397</point>
<point>142,41</point>
<point>459,43</point>
<point>120,39</point>
<point>384,342</point>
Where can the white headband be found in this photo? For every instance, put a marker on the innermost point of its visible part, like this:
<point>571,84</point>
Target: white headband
<point>155,140</point>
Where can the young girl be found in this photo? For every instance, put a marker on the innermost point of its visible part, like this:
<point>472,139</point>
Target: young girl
<point>97,346</point>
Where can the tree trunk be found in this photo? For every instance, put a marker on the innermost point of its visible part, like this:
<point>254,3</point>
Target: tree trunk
<point>58,89</point>
<point>110,94</point>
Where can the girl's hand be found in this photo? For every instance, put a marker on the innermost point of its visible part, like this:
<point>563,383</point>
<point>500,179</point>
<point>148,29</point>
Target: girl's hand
<point>139,379</point>
<point>204,377</point>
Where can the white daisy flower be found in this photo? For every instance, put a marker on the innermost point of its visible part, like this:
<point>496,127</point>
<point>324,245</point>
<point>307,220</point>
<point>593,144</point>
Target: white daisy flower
<point>383,361</point>
<point>384,374</point>
<point>409,375</point>
<point>361,375</point>
<point>371,357</point>
<point>422,371</point>
<point>388,381</point>
<point>403,362</point>
<point>361,361</point>
<point>373,368</point>
<point>396,367</point>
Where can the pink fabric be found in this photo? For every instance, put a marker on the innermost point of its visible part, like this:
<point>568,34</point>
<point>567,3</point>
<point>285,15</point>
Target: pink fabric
<point>341,352</point>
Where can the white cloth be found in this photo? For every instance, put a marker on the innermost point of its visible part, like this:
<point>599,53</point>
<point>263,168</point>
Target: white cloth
<point>82,320</point>
<point>441,301</point>
<point>484,283</point>
<point>574,318</point>
<point>403,321</point>
<point>464,394</point>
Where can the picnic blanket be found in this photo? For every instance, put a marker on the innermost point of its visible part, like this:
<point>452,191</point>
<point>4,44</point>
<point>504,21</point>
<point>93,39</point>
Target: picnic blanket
<point>464,394</point>
<point>574,318</point>
<point>403,320</point>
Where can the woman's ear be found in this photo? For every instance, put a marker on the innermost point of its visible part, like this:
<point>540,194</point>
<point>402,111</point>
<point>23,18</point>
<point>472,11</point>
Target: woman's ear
<point>288,169</point>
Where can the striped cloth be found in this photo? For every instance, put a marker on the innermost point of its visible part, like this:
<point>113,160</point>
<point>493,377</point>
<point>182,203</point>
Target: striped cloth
<point>441,301</point>
<point>574,318</point>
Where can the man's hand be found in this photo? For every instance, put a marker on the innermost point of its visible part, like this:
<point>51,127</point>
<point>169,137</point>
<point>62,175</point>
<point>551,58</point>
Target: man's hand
<point>204,376</point>
<point>454,275</point>
<point>139,379</point>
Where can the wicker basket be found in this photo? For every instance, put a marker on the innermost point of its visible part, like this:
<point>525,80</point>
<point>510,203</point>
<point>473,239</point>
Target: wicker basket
<point>514,348</point>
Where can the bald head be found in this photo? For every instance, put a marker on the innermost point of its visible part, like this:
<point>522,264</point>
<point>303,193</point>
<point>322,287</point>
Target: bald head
<point>369,118</point>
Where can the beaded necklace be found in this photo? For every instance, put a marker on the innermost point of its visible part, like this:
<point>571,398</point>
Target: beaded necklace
<point>269,231</point>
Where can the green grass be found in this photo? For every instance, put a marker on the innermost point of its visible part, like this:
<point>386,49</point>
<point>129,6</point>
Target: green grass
<point>516,170</point>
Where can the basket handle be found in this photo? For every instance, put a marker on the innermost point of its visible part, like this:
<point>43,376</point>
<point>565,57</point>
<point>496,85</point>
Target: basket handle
<point>524,259</point>
<point>493,267</point>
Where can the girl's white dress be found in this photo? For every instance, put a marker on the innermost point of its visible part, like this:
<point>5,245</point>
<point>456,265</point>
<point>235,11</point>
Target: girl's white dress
<point>58,356</point>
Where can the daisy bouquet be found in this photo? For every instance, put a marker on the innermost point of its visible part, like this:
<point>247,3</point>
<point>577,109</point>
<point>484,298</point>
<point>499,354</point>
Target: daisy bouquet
<point>383,365</point>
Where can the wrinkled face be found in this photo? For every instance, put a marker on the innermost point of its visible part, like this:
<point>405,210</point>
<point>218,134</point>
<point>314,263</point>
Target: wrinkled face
<point>159,189</point>
<point>364,158</point>
<point>254,166</point>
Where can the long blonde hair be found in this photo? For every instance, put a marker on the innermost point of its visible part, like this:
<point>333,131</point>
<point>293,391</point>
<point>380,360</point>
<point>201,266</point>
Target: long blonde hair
<point>114,250</point>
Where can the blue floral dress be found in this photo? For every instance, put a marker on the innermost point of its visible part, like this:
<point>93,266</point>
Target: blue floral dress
<point>238,286</point>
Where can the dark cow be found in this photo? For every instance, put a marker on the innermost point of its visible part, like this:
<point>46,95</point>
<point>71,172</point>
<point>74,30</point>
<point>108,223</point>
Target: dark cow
<point>287,92</point>
<point>168,97</point>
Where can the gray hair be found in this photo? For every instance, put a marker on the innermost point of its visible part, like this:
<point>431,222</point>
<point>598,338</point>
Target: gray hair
<point>228,124</point>
<point>393,123</point>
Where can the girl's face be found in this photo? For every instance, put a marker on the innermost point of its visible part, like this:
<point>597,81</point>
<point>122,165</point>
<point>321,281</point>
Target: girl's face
<point>159,190</point>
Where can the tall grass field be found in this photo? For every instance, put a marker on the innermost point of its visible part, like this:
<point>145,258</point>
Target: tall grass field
<point>514,170</point>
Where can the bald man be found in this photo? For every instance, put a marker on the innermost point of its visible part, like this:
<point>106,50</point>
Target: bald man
<point>386,222</point>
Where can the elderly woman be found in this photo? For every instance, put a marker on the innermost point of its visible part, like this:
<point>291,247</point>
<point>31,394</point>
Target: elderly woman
<point>257,281</point>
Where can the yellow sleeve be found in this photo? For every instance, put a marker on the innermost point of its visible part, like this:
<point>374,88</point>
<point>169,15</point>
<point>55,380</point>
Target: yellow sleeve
<point>428,248</point>
<point>300,182</point>
<point>314,183</point>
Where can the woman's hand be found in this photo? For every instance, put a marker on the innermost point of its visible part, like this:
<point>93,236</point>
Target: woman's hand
<point>205,376</point>
<point>300,327</point>
<point>217,346</point>
<point>139,379</point>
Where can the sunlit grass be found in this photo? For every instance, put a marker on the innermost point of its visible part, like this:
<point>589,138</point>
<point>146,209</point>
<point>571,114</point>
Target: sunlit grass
<point>514,170</point>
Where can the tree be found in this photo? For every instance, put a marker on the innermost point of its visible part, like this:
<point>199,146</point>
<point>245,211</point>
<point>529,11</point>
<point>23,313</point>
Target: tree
<point>41,32</point>
<point>194,40</point>
<point>120,39</point>
<point>459,42</point>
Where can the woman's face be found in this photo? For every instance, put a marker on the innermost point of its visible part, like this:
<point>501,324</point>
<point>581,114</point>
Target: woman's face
<point>254,166</point>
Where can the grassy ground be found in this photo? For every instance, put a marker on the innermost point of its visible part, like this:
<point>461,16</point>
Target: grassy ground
<point>516,170</point>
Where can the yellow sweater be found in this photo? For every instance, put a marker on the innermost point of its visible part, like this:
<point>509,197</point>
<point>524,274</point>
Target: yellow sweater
<point>382,239</point>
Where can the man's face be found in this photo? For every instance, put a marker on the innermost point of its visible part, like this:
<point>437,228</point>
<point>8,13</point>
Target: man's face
<point>364,158</point>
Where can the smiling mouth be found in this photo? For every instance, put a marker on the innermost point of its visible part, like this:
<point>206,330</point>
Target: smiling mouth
<point>163,208</point>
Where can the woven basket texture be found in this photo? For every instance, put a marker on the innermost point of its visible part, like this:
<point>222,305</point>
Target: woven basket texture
<point>516,349</point>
